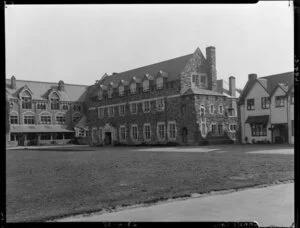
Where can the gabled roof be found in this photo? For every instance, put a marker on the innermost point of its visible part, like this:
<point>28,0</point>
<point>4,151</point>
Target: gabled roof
<point>272,82</point>
<point>281,86</point>
<point>40,90</point>
<point>173,67</point>
<point>82,123</point>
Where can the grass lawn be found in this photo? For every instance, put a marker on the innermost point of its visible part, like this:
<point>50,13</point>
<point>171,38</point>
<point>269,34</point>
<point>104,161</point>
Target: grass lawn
<point>44,184</point>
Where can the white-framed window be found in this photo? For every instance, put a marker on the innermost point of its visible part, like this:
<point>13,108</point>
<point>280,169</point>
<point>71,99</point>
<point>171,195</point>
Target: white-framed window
<point>100,95</point>
<point>111,111</point>
<point>146,86</point>
<point>81,133</point>
<point>76,107</point>
<point>29,119</point>
<point>122,132</point>
<point>45,136</point>
<point>147,132</point>
<point>65,107</point>
<point>211,109</point>
<point>121,90</point>
<point>161,131</point>
<point>41,106</point>
<point>133,108</point>
<point>203,79</point>
<point>14,119</point>
<point>159,83</point>
<point>172,130</point>
<point>122,109</point>
<point>202,112</point>
<point>133,88</point>
<point>60,119</point>
<point>232,127</point>
<point>54,101</point>
<point>26,100</point>
<point>231,112</point>
<point>220,109</point>
<point>213,129</point>
<point>195,78</point>
<point>160,104</point>
<point>100,112</point>
<point>110,92</point>
<point>203,129</point>
<point>134,132</point>
<point>100,134</point>
<point>146,106</point>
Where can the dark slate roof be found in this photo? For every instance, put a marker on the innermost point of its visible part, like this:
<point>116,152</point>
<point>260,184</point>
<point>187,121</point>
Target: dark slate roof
<point>258,119</point>
<point>272,82</point>
<point>172,67</point>
<point>82,123</point>
<point>196,90</point>
<point>41,90</point>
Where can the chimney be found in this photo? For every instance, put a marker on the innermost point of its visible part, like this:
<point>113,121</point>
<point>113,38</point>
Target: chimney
<point>220,86</point>
<point>211,68</point>
<point>61,86</point>
<point>13,82</point>
<point>252,77</point>
<point>232,86</point>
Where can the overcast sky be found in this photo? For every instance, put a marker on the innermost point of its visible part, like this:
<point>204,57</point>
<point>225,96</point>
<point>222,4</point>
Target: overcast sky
<point>79,43</point>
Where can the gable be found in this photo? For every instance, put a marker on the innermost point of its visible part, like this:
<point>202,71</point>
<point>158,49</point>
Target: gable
<point>257,90</point>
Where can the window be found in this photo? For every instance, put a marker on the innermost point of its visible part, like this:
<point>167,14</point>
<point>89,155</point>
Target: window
<point>111,111</point>
<point>26,100</point>
<point>100,112</point>
<point>292,98</point>
<point>259,130</point>
<point>94,134</point>
<point>220,109</point>
<point>147,132</point>
<point>250,104</point>
<point>132,88</point>
<point>160,104</point>
<point>61,119</point>
<point>122,110</point>
<point>232,127</point>
<point>121,90</point>
<point>220,129</point>
<point>213,129</point>
<point>100,134</point>
<point>195,78</point>
<point>14,137</point>
<point>211,109</point>
<point>45,136</point>
<point>172,131</point>
<point>14,119</point>
<point>203,129</point>
<point>65,107</point>
<point>100,95</point>
<point>81,133</point>
<point>76,118</point>
<point>11,105</point>
<point>110,92</point>
<point>134,132</point>
<point>279,101</point>
<point>58,135</point>
<point>54,100</point>
<point>202,113</point>
<point>45,119</point>
<point>159,83</point>
<point>183,109</point>
<point>161,131</point>
<point>265,102</point>
<point>292,127</point>
<point>146,106</point>
<point>41,106</point>
<point>133,108</point>
<point>76,107</point>
<point>231,112</point>
<point>29,120</point>
<point>122,133</point>
<point>203,79</point>
<point>146,86</point>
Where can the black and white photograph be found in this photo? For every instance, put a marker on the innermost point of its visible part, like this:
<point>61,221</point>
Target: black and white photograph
<point>150,113</point>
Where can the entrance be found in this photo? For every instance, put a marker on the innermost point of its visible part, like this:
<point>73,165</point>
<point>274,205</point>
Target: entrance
<point>107,138</point>
<point>280,133</point>
<point>184,135</point>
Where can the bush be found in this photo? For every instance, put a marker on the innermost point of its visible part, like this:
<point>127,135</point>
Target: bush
<point>32,143</point>
<point>172,144</point>
<point>53,142</point>
<point>246,139</point>
<point>253,141</point>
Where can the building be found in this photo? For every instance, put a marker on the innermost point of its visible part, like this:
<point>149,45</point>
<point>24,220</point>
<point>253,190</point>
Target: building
<point>267,109</point>
<point>178,100</point>
<point>42,112</point>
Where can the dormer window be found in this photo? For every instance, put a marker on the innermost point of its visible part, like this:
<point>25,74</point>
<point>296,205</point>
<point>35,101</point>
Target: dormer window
<point>110,92</point>
<point>146,86</point>
<point>202,112</point>
<point>203,79</point>
<point>100,95</point>
<point>54,99</point>
<point>159,83</point>
<point>121,90</point>
<point>26,100</point>
<point>195,79</point>
<point>133,88</point>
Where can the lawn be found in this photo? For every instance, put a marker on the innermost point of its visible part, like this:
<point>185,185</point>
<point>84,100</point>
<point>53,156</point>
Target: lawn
<point>45,184</point>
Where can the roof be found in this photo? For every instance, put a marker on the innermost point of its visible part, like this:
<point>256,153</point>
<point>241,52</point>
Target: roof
<point>41,90</point>
<point>38,128</point>
<point>195,90</point>
<point>82,123</point>
<point>272,82</point>
<point>258,119</point>
<point>172,67</point>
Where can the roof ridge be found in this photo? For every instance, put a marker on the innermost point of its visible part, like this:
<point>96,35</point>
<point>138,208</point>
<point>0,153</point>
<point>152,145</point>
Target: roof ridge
<point>289,72</point>
<point>46,82</point>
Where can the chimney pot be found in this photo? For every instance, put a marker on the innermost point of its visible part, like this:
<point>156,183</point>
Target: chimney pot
<point>13,82</point>
<point>252,77</point>
<point>232,91</point>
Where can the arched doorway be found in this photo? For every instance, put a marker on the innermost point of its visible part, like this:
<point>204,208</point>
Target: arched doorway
<point>107,138</point>
<point>184,135</point>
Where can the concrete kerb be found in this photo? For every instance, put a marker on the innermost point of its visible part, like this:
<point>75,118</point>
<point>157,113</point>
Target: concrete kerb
<point>44,147</point>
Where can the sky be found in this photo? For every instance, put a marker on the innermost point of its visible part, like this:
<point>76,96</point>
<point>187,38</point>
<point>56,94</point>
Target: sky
<point>80,43</point>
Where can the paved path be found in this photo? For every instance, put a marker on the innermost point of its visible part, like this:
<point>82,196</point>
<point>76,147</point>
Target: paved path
<point>44,147</point>
<point>272,205</point>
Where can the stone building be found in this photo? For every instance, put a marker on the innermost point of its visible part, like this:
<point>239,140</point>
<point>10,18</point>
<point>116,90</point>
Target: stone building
<point>42,112</point>
<point>267,109</point>
<point>179,100</point>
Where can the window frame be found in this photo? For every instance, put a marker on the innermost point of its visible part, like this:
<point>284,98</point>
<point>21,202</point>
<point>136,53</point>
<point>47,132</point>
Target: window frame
<point>158,108</point>
<point>133,89</point>
<point>144,106</point>
<point>146,125</point>
<point>256,132</point>
<point>60,122</point>
<point>211,111</point>
<point>265,103</point>
<point>170,123</point>
<point>16,117</point>
<point>120,133</point>
<point>136,107</point>
<point>120,113</point>
<point>111,114</point>
<point>146,86</point>
<point>47,121</point>
<point>32,117</point>
<point>137,132</point>
<point>159,83</point>
<point>281,104</point>
<point>221,110</point>
<point>250,106</point>
<point>159,131</point>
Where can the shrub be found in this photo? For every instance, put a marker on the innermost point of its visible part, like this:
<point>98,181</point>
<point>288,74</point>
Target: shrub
<point>253,141</point>
<point>53,142</point>
<point>246,139</point>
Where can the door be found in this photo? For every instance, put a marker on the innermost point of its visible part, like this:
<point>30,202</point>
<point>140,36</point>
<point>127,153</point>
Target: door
<point>107,139</point>
<point>184,135</point>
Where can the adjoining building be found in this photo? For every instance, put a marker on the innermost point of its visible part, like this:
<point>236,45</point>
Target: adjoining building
<point>178,100</point>
<point>267,109</point>
<point>42,112</point>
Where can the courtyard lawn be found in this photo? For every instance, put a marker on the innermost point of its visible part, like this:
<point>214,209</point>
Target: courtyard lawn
<point>50,183</point>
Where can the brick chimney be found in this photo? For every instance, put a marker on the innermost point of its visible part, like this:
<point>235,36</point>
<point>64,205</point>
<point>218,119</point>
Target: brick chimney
<point>13,82</point>
<point>232,86</point>
<point>211,68</point>
<point>61,86</point>
<point>252,77</point>
<point>220,86</point>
